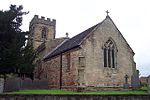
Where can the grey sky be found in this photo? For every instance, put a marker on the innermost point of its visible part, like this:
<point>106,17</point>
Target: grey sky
<point>74,16</point>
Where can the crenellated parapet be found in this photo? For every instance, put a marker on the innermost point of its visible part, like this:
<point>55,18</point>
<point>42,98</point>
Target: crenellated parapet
<point>42,20</point>
<point>41,30</point>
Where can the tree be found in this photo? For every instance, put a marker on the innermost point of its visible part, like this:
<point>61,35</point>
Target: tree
<point>13,48</point>
<point>26,63</point>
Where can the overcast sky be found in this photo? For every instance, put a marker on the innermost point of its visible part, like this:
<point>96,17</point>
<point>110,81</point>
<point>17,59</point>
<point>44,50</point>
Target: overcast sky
<point>132,17</point>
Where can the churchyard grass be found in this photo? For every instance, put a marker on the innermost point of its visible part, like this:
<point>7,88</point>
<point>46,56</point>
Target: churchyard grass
<point>140,91</point>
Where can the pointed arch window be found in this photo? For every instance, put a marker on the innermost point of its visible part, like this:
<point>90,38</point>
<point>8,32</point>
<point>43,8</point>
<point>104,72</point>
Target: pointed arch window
<point>109,54</point>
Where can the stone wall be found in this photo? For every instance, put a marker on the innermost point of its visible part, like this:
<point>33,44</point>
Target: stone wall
<point>1,84</point>
<point>72,97</point>
<point>15,84</point>
<point>69,70</point>
<point>58,69</point>
<point>52,71</point>
<point>144,80</point>
<point>148,84</point>
<point>96,74</point>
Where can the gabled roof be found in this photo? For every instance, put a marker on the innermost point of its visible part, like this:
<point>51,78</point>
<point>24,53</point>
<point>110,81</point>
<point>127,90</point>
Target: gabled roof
<point>120,33</point>
<point>75,41</point>
<point>71,43</point>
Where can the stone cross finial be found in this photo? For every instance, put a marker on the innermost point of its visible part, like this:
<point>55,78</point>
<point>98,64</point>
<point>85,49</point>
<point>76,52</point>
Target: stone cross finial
<point>67,34</point>
<point>107,12</point>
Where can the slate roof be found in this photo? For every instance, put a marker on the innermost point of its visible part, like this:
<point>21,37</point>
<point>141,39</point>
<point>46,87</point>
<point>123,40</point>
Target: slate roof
<point>75,41</point>
<point>71,43</point>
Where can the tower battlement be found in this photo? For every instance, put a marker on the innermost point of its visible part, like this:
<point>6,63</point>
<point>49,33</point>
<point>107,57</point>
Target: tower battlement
<point>42,20</point>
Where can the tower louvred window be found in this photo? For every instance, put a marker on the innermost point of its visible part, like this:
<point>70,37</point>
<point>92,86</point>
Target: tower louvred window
<point>44,33</point>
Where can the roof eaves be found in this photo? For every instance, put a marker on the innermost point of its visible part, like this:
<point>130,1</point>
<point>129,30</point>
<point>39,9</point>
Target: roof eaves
<point>47,56</point>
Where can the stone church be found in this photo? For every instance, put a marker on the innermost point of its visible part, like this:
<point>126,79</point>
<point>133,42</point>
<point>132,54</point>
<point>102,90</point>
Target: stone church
<point>98,58</point>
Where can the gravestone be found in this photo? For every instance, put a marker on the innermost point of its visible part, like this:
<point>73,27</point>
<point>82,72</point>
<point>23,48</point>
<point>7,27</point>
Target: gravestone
<point>135,81</point>
<point>1,85</point>
<point>12,84</point>
<point>26,84</point>
<point>126,85</point>
<point>149,84</point>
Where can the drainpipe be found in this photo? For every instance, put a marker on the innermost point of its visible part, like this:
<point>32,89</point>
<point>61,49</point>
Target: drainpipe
<point>60,79</point>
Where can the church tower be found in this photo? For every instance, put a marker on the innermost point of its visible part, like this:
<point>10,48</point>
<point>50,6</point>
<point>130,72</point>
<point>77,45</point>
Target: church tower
<point>41,30</point>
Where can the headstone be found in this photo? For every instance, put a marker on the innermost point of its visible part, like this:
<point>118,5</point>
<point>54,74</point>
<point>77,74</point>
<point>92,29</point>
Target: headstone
<point>149,84</point>
<point>12,84</point>
<point>135,81</point>
<point>126,85</point>
<point>26,84</point>
<point>1,85</point>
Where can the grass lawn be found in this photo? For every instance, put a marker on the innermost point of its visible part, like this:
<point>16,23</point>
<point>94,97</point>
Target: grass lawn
<point>140,91</point>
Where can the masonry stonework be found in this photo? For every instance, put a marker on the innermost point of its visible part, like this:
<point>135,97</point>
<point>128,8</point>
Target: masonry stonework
<point>78,62</point>
<point>148,84</point>
<point>95,72</point>
<point>52,71</point>
<point>37,25</point>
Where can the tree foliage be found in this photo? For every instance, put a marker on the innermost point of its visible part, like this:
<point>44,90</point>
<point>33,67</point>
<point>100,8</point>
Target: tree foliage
<point>15,55</point>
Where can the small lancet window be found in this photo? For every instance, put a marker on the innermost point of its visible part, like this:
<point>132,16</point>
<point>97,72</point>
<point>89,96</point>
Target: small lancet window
<point>109,58</point>
<point>105,57</point>
<point>82,61</point>
<point>113,59</point>
<point>68,58</point>
<point>109,54</point>
<point>44,33</point>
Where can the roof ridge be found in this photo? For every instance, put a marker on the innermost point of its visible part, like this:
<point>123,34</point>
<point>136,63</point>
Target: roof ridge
<point>55,49</point>
<point>94,28</point>
<point>72,42</point>
<point>120,33</point>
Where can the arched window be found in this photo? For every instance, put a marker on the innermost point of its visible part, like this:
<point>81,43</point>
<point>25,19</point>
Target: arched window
<point>109,54</point>
<point>44,33</point>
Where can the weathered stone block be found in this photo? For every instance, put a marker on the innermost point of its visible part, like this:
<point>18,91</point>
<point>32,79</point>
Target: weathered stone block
<point>26,84</point>
<point>12,84</point>
<point>135,81</point>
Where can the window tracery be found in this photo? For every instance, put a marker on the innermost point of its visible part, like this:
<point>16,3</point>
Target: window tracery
<point>109,54</point>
